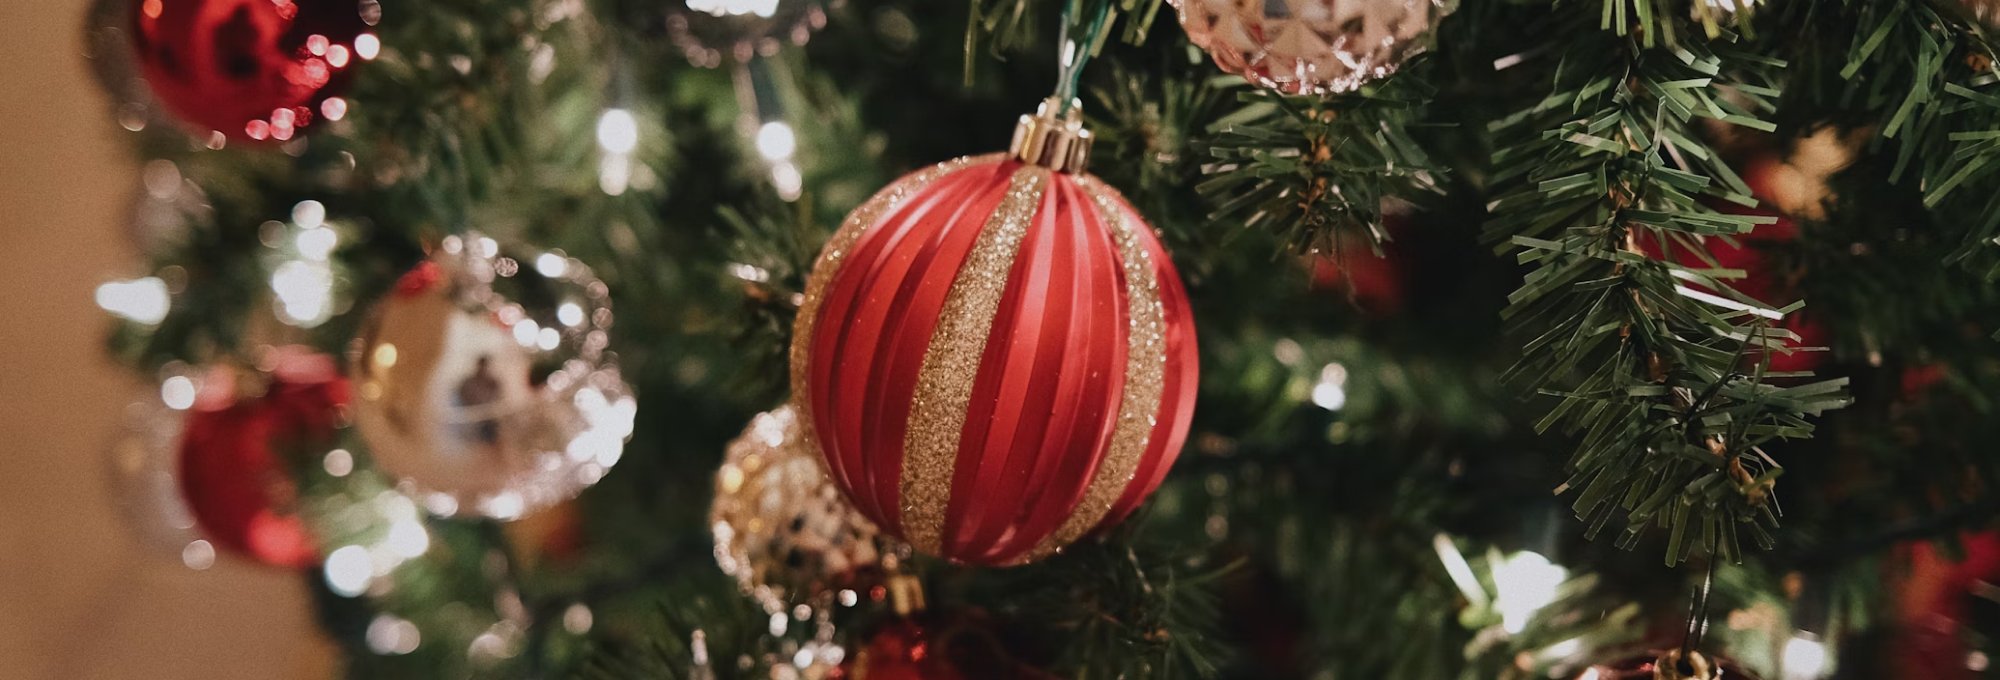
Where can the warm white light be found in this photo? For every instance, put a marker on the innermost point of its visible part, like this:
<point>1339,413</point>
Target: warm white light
<point>1591,673</point>
<point>390,635</point>
<point>1526,582</point>
<point>316,243</point>
<point>334,108</point>
<point>177,392</point>
<point>162,179</point>
<point>577,619</point>
<point>614,174</point>
<point>1805,658</point>
<point>779,622</point>
<point>304,292</point>
<point>367,46</point>
<point>198,555</point>
<point>349,571</point>
<point>548,339</point>
<point>786,178</point>
<point>525,332</point>
<point>309,214</point>
<point>1564,649</point>
<point>552,265</point>
<point>1329,396</point>
<point>407,537</point>
<point>141,300</point>
<point>617,131</point>
<point>338,463</point>
<point>1331,392</point>
<point>570,314</point>
<point>776,142</point>
<point>505,505</point>
<point>761,8</point>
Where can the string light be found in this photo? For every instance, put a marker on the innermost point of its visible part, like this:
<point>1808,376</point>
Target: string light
<point>391,635</point>
<point>1526,582</point>
<point>1804,657</point>
<point>304,292</point>
<point>1331,392</point>
<point>367,46</point>
<point>617,132</point>
<point>177,392</point>
<point>776,141</point>
<point>348,571</point>
<point>142,301</point>
<point>198,555</point>
<point>760,8</point>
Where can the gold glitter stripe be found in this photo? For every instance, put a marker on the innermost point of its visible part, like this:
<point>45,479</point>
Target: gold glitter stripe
<point>1145,370</point>
<point>951,362</point>
<point>828,264</point>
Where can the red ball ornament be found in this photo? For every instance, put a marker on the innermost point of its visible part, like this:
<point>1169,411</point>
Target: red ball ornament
<point>251,69</point>
<point>995,355</point>
<point>232,472</point>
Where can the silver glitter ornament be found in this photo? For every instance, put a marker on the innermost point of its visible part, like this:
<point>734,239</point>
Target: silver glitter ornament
<point>483,381</point>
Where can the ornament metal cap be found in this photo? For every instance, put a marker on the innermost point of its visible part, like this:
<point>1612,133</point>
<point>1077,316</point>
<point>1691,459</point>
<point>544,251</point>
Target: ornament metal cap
<point>1053,140</point>
<point>1669,667</point>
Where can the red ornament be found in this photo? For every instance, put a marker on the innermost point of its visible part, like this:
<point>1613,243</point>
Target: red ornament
<point>902,650</point>
<point>231,473</point>
<point>251,69</point>
<point>1372,280</point>
<point>1935,606</point>
<point>995,358</point>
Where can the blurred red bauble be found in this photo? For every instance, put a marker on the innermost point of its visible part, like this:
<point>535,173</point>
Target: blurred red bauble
<point>996,357</point>
<point>937,646</point>
<point>232,473</point>
<point>1372,276</point>
<point>1936,596</point>
<point>902,650</point>
<point>251,69</point>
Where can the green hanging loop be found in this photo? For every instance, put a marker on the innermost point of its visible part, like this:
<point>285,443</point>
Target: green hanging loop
<point>1078,41</point>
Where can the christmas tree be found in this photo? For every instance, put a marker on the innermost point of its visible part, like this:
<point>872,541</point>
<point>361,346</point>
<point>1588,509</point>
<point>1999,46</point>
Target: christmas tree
<point>1242,339</point>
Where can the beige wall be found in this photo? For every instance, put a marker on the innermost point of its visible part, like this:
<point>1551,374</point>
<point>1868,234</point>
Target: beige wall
<point>78,599</point>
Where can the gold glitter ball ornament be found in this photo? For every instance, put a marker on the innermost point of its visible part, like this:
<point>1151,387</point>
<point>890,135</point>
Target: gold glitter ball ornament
<point>782,529</point>
<point>1311,46</point>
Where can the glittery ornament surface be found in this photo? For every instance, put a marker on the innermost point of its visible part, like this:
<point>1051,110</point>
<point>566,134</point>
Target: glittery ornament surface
<point>710,32</point>
<point>1311,46</point>
<point>951,363</point>
<point>484,383</point>
<point>251,69</point>
<point>782,529</point>
<point>995,361</point>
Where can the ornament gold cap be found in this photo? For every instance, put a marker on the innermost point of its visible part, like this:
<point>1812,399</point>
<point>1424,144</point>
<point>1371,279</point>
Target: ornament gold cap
<point>1669,666</point>
<point>1053,140</point>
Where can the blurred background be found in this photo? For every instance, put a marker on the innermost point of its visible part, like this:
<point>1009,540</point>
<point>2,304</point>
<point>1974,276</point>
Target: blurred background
<point>78,598</point>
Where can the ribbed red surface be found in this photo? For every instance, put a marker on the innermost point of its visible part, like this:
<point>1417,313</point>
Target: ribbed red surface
<point>1050,380</point>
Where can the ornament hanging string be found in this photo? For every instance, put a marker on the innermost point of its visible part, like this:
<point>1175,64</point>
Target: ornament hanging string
<point>1083,31</point>
<point>1697,624</point>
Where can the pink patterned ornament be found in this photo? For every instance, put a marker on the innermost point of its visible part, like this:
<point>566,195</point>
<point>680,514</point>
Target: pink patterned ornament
<point>1311,46</point>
